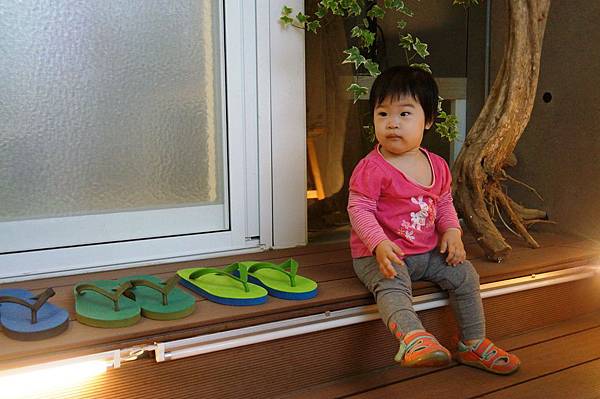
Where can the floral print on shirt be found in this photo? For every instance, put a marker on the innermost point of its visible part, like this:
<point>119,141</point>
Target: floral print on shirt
<point>424,218</point>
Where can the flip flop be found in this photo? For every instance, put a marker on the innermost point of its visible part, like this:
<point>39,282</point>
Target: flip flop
<point>221,286</point>
<point>101,303</point>
<point>27,317</point>
<point>281,281</point>
<point>159,300</point>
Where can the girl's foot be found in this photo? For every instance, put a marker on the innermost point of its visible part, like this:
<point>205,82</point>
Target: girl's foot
<point>420,349</point>
<point>484,354</point>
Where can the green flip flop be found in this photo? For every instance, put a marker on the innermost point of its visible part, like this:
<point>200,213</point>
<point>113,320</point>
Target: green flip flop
<point>102,303</point>
<point>281,281</point>
<point>159,300</point>
<point>221,286</point>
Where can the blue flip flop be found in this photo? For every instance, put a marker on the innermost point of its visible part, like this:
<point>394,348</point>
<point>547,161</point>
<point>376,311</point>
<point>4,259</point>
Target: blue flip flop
<point>27,317</point>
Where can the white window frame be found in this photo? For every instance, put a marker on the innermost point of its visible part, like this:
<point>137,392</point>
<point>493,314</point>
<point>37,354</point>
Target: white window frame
<point>284,61</point>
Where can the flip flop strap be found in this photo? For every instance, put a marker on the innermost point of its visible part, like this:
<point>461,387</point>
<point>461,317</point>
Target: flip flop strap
<point>290,264</point>
<point>203,272</point>
<point>164,287</point>
<point>113,295</point>
<point>34,307</point>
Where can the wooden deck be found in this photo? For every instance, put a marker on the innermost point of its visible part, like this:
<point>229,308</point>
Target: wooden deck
<point>329,264</point>
<point>559,361</point>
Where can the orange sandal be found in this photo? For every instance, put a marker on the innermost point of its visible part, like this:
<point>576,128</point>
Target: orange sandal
<point>487,356</point>
<point>420,349</point>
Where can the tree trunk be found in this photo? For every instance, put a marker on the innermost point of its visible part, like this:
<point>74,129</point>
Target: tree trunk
<point>478,171</point>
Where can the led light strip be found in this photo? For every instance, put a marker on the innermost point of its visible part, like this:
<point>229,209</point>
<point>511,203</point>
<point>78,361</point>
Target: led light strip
<point>303,325</point>
<point>54,376</point>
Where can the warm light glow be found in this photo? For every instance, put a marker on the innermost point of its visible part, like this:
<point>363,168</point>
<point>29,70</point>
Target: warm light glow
<point>46,380</point>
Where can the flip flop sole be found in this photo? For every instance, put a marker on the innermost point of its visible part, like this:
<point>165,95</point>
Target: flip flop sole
<point>36,336</point>
<point>93,322</point>
<point>223,300</point>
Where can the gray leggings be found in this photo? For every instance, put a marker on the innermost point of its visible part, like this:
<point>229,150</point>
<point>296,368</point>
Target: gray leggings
<point>394,296</point>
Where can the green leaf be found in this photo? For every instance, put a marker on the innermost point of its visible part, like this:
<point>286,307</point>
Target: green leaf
<point>285,20</point>
<point>286,10</point>
<point>321,12</point>
<point>333,6</point>
<point>420,48</point>
<point>365,22</point>
<point>353,8</point>
<point>313,25</point>
<point>399,6</point>
<point>301,18</point>
<point>406,41</point>
<point>354,56</point>
<point>357,91</point>
<point>394,4</point>
<point>376,12</point>
<point>401,24</point>
<point>407,11</point>
<point>366,36</point>
<point>424,67</point>
<point>372,67</point>
<point>447,127</point>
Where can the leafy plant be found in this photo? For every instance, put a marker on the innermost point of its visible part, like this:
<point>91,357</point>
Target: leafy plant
<point>368,13</point>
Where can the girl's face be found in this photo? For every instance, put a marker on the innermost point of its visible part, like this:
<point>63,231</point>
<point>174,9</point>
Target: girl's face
<point>399,125</point>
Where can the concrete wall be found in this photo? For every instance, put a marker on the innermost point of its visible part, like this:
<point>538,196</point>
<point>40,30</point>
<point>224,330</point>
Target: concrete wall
<point>559,152</point>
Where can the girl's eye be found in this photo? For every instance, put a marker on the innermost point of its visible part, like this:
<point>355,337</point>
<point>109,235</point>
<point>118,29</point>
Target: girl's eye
<point>404,113</point>
<point>382,113</point>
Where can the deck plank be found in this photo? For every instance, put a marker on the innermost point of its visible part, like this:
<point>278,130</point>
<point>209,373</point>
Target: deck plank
<point>581,382</point>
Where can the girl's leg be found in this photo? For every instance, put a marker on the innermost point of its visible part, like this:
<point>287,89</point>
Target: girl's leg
<point>393,296</point>
<point>462,284</point>
<point>418,348</point>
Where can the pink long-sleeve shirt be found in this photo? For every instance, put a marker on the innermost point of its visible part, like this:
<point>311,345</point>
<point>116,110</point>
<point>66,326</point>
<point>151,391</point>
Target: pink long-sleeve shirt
<point>385,203</point>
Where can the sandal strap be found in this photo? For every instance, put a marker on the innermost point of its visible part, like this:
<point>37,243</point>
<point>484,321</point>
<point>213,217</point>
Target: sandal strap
<point>416,342</point>
<point>40,300</point>
<point>225,272</point>
<point>489,352</point>
<point>113,294</point>
<point>290,264</point>
<point>164,287</point>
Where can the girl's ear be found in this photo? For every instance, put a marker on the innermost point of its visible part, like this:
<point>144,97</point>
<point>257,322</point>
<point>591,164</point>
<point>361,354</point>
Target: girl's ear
<point>428,125</point>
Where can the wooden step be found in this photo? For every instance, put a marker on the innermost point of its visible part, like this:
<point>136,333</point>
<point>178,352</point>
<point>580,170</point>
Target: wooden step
<point>559,361</point>
<point>287,365</point>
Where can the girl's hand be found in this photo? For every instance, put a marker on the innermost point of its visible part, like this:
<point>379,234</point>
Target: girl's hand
<point>386,253</point>
<point>452,243</point>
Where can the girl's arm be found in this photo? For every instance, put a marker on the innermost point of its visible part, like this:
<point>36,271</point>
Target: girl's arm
<point>361,210</point>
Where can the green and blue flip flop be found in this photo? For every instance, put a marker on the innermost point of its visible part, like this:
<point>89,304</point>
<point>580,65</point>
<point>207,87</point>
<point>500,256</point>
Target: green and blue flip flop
<point>102,303</point>
<point>222,286</point>
<point>281,281</point>
<point>159,300</point>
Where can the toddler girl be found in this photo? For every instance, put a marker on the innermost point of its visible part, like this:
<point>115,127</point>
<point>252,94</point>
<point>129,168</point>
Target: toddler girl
<point>400,207</point>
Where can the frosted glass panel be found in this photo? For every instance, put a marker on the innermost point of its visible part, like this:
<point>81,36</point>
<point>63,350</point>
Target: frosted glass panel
<point>109,106</point>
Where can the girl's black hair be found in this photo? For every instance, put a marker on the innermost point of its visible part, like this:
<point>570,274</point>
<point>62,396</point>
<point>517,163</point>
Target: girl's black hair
<point>401,81</point>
